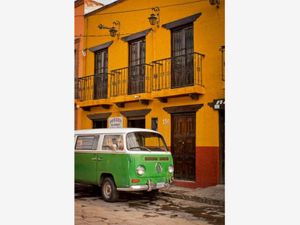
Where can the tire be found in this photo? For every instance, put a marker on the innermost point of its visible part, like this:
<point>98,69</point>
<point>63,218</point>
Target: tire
<point>109,190</point>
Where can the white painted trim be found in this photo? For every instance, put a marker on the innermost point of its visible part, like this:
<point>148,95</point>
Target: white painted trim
<point>112,130</point>
<point>148,153</point>
<point>123,152</point>
<point>85,151</point>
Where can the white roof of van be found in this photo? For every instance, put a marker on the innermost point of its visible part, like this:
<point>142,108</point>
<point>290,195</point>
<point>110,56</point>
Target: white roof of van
<point>111,130</point>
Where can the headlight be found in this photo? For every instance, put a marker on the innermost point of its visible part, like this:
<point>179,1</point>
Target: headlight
<point>140,170</point>
<point>171,169</point>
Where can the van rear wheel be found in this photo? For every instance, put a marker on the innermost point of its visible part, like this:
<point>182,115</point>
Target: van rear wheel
<point>109,190</point>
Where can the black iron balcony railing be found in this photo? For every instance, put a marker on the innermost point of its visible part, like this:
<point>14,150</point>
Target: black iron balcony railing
<point>131,80</point>
<point>178,71</point>
<point>91,87</point>
<point>76,93</point>
<point>175,72</point>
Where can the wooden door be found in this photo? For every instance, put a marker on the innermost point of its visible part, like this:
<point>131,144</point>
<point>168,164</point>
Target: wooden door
<point>222,146</point>
<point>182,57</point>
<point>136,76</point>
<point>100,78</point>
<point>183,145</point>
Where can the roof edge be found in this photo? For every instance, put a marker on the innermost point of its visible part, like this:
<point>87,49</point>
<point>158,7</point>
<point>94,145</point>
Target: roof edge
<point>78,3</point>
<point>104,7</point>
<point>113,130</point>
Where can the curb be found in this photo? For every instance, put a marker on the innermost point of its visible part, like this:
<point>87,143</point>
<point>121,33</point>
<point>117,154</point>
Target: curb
<point>209,201</point>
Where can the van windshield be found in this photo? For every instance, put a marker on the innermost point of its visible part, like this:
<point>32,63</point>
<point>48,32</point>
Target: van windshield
<point>145,141</point>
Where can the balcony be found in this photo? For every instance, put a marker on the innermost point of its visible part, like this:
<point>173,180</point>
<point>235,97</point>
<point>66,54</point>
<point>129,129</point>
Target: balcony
<point>76,84</point>
<point>92,90</point>
<point>178,75</point>
<point>131,83</point>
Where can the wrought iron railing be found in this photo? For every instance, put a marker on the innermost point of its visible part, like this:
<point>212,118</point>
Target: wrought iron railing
<point>178,71</point>
<point>91,87</point>
<point>131,80</point>
<point>76,92</point>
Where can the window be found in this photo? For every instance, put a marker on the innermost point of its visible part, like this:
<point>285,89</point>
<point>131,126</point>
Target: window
<point>89,142</point>
<point>101,61</point>
<point>100,80</point>
<point>99,123</point>
<point>76,58</point>
<point>145,141</point>
<point>137,122</point>
<point>182,56</point>
<point>113,142</point>
<point>76,62</point>
<point>154,123</point>
<point>136,76</point>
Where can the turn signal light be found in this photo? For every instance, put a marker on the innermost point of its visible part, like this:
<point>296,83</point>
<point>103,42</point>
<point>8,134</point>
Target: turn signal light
<point>135,180</point>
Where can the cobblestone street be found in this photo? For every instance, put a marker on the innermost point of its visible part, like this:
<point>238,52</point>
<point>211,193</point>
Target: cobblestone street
<point>138,208</point>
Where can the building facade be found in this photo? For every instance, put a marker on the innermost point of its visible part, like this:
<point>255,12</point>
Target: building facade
<point>159,65</point>
<point>78,51</point>
<point>81,7</point>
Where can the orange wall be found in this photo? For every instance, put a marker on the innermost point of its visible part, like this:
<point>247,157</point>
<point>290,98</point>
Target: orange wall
<point>208,38</point>
<point>79,31</point>
<point>78,45</point>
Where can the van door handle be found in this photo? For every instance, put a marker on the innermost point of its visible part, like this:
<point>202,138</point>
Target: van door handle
<point>100,158</point>
<point>94,159</point>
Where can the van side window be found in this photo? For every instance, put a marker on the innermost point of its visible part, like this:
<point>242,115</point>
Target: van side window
<point>113,142</point>
<point>87,142</point>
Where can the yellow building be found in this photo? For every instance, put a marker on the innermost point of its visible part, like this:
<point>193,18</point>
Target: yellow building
<point>78,47</point>
<point>159,64</point>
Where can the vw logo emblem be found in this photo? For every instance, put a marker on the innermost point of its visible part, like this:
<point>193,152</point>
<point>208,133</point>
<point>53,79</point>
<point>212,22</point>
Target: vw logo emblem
<point>158,167</point>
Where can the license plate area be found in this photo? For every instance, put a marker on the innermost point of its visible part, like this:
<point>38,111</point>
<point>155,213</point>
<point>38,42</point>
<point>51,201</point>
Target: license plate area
<point>160,184</point>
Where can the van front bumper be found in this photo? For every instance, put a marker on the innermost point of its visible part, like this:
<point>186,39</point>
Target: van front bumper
<point>148,187</point>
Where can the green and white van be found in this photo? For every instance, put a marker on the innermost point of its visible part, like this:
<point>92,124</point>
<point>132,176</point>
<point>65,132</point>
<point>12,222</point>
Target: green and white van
<point>122,159</point>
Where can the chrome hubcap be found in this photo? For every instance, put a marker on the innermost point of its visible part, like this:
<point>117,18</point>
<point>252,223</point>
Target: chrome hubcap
<point>107,190</point>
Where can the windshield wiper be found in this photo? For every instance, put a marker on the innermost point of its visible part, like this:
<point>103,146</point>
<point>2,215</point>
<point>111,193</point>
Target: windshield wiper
<point>141,147</point>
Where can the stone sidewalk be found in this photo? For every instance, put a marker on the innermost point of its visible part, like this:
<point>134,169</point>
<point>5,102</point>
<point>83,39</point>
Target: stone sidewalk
<point>214,195</point>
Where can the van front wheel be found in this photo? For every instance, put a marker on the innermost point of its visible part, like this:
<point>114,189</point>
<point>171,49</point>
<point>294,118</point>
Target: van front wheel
<point>109,190</point>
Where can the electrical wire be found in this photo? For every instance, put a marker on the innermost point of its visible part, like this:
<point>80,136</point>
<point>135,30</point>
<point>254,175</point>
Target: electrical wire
<point>100,35</point>
<point>107,35</point>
